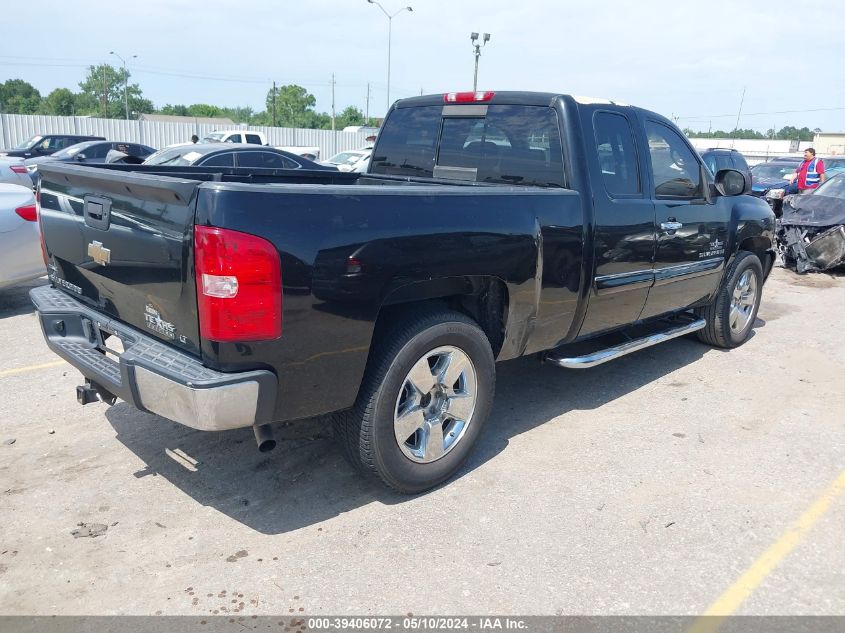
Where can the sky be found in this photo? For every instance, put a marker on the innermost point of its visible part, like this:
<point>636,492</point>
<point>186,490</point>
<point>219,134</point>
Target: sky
<point>687,60</point>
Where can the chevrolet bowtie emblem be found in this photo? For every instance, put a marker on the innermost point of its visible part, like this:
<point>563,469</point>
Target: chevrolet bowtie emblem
<point>99,254</point>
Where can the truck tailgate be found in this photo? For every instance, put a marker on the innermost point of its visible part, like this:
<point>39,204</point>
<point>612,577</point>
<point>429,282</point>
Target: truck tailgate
<point>121,243</point>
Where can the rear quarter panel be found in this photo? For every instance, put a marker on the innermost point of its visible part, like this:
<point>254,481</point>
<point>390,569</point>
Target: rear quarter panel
<point>402,236</point>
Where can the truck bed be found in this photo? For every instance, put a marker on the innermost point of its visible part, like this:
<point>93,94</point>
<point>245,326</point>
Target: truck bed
<point>350,245</point>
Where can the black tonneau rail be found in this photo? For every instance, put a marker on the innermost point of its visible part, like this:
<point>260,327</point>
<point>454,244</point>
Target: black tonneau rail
<point>257,175</point>
<point>239,174</point>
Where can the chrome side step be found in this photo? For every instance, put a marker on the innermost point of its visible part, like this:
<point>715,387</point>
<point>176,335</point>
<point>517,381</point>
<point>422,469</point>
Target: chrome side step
<point>611,353</point>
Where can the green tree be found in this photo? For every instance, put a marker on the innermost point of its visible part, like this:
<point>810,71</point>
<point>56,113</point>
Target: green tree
<point>790,133</point>
<point>294,107</point>
<point>19,97</point>
<point>350,116</point>
<point>239,114</point>
<point>60,102</point>
<point>102,92</point>
<point>174,110</point>
<point>204,110</point>
<point>321,121</point>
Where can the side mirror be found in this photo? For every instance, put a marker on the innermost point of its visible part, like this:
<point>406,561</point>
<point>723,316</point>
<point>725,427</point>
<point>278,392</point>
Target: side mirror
<point>79,157</point>
<point>730,182</point>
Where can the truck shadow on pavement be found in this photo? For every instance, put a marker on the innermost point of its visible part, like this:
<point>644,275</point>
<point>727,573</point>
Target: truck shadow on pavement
<point>306,479</point>
<point>15,301</point>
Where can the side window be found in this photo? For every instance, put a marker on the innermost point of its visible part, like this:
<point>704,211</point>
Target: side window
<point>234,138</point>
<point>220,160</point>
<point>739,162</point>
<point>97,151</point>
<point>254,139</point>
<point>723,161</point>
<point>617,154</point>
<point>267,160</point>
<point>675,168</point>
<point>407,143</point>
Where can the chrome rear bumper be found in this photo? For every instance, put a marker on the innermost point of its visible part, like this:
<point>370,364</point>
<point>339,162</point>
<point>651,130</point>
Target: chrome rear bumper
<point>149,374</point>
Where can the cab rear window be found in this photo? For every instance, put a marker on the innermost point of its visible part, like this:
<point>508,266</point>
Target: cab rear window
<point>516,145</point>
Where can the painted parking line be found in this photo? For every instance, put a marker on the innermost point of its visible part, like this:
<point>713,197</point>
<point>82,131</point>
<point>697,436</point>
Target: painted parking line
<point>23,370</point>
<point>737,593</point>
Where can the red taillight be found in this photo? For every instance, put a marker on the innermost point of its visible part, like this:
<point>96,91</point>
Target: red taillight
<point>467,97</point>
<point>239,286</point>
<point>18,169</point>
<point>28,213</point>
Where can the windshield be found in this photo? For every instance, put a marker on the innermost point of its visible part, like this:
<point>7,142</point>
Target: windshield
<point>73,150</point>
<point>345,158</point>
<point>214,137</point>
<point>28,143</point>
<point>185,156</point>
<point>834,166</point>
<point>833,188</point>
<point>772,170</point>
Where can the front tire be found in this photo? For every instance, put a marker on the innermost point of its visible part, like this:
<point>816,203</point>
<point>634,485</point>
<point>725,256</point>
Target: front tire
<point>426,394</point>
<point>730,316</point>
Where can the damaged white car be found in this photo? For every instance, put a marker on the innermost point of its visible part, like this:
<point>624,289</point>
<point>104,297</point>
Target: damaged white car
<point>812,229</point>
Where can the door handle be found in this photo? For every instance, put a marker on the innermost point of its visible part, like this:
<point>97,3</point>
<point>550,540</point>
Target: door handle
<point>671,225</point>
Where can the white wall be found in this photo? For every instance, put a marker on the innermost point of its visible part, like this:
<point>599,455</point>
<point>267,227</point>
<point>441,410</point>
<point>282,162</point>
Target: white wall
<point>754,150</point>
<point>16,128</point>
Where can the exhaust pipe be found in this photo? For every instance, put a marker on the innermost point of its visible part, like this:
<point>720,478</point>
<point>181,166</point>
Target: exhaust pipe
<point>264,437</point>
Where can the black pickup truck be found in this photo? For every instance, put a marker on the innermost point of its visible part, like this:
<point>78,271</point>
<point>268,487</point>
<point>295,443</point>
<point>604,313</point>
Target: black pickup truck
<point>489,226</point>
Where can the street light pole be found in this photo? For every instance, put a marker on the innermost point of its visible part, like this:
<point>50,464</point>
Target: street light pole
<point>473,37</point>
<point>125,81</point>
<point>389,38</point>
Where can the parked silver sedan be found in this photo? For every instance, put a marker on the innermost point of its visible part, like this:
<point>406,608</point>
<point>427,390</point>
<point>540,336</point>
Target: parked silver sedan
<point>13,171</point>
<point>20,239</point>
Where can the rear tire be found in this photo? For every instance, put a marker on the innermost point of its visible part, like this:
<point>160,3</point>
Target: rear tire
<point>426,394</point>
<point>730,316</point>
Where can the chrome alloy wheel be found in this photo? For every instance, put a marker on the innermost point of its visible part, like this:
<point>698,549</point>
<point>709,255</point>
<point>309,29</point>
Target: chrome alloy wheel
<point>743,301</point>
<point>435,404</point>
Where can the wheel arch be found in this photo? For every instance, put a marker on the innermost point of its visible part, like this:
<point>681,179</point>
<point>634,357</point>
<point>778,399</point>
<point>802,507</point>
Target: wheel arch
<point>762,247</point>
<point>485,299</point>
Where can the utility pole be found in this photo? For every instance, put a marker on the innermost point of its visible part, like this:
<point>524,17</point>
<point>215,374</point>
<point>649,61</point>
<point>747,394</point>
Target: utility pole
<point>368,104</point>
<point>274,104</point>
<point>474,39</point>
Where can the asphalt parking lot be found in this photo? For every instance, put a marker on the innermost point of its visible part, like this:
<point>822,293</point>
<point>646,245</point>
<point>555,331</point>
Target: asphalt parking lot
<point>673,481</point>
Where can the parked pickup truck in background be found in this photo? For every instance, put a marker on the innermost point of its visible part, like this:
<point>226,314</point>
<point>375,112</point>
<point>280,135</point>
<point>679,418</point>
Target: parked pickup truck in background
<point>235,136</point>
<point>488,227</point>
